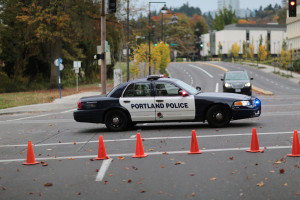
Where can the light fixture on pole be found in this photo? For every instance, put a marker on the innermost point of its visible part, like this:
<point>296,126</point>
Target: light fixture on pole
<point>163,10</point>
<point>150,35</point>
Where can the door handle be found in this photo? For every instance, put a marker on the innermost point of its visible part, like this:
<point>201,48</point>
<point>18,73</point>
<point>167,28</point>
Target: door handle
<point>159,100</point>
<point>126,101</point>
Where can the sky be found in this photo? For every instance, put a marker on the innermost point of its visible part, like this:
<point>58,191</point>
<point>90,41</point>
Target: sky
<point>207,5</point>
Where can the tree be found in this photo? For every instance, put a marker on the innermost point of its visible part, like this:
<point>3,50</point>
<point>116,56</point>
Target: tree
<point>262,52</point>
<point>251,51</point>
<point>246,52</point>
<point>225,17</point>
<point>235,49</point>
<point>220,47</point>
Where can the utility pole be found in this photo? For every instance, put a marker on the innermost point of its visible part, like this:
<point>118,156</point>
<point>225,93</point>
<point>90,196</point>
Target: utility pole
<point>127,40</point>
<point>103,38</point>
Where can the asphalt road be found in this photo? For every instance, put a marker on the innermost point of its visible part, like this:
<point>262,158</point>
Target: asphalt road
<point>223,171</point>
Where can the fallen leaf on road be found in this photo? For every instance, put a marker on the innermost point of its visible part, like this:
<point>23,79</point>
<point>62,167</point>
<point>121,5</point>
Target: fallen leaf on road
<point>48,184</point>
<point>135,168</point>
<point>129,181</point>
<point>285,184</point>
<point>231,158</point>
<point>127,168</point>
<point>150,149</point>
<point>162,166</point>
<point>179,163</point>
<point>193,194</point>
<point>165,153</point>
<point>74,143</point>
<point>70,158</point>
<point>3,188</point>
<point>213,179</point>
<point>277,162</point>
<point>272,171</point>
<point>281,171</point>
<point>121,158</point>
<point>143,191</point>
<point>260,184</point>
<point>192,174</point>
<point>78,193</point>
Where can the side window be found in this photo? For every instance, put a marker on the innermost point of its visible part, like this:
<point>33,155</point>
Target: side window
<point>138,90</point>
<point>166,89</point>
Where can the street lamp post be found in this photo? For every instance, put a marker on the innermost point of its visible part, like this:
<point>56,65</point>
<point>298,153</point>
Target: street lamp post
<point>150,35</point>
<point>274,55</point>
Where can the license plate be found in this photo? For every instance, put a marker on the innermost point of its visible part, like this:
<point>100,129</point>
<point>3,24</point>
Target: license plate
<point>237,90</point>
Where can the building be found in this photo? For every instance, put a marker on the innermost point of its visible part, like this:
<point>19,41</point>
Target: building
<point>293,31</point>
<point>272,35</point>
<point>229,4</point>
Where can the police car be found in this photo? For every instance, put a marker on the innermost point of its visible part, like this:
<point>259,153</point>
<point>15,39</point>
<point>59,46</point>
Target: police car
<point>159,99</point>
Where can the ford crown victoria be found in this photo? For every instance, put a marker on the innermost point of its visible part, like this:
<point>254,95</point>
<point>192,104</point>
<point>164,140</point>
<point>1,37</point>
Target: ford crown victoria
<point>158,99</point>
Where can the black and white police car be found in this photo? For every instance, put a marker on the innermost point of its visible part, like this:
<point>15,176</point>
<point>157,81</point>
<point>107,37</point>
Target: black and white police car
<point>159,99</point>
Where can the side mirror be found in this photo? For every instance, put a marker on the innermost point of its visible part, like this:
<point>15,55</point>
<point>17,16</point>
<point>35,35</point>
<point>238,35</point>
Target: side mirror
<point>251,79</point>
<point>198,88</point>
<point>182,93</point>
<point>222,79</point>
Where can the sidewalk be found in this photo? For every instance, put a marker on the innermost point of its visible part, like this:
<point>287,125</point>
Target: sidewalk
<point>270,69</point>
<point>63,104</point>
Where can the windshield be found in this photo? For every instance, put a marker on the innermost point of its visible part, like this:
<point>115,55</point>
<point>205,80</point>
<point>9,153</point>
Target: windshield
<point>236,76</point>
<point>187,87</point>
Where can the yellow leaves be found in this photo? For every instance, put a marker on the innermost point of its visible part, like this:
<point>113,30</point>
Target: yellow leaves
<point>260,184</point>
<point>235,49</point>
<point>262,53</point>
<point>160,57</point>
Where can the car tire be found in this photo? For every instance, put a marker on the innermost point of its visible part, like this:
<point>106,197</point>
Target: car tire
<point>218,116</point>
<point>116,120</point>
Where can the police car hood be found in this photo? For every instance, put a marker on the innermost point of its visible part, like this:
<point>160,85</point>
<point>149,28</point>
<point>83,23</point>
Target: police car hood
<point>217,95</point>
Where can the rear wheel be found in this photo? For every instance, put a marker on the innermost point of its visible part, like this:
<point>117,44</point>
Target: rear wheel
<point>116,120</point>
<point>218,116</point>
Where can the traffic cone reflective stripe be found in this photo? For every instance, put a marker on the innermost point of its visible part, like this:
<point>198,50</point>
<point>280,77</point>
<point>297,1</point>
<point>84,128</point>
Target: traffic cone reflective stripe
<point>296,145</point>
<point>30,155</point>
<point>254,143</point>
<point>139,150</point>
<point>194,144</point>
<point>101,150</point>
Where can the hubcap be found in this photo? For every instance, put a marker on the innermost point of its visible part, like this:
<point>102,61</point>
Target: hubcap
<point>116,120</point>
<point>219,116</point>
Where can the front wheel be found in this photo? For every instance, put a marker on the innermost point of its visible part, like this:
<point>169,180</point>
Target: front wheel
<point>116,120</point>
<point>218,116</point>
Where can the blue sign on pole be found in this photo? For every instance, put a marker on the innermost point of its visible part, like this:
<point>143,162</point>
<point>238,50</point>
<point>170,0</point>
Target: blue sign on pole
<point>59,82</point>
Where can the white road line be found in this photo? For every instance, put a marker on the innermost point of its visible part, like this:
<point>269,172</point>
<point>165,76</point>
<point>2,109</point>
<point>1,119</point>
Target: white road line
<point>11,120</point>
<point>217,87</point>
<point>67,111</point>
<point>103,169</point>
<point>211,76</point>
<point>152,138</point>
<point>37,116</point>
<point>149,153</point>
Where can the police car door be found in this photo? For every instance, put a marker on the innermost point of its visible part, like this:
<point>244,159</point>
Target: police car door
<point>170,105</point>
<point>139,101</point>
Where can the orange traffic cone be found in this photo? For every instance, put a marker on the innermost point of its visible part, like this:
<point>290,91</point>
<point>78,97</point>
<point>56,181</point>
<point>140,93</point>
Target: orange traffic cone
<point>194,144</point>
<point>101,150</point>
<point>254,143</point>
<point>139,150</point>
<point>30,155</point>
<point>296,145</point>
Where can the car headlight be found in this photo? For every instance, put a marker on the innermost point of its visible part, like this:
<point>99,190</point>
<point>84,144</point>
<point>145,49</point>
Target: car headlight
<point>242,103</point>
<point>247,84</point>
<point>227,85</point>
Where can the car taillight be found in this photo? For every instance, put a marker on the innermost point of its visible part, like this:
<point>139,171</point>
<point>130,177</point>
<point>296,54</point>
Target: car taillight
<point>79,106</point>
